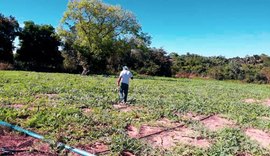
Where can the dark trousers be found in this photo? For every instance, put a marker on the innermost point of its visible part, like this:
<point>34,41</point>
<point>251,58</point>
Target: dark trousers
<point>123,92</point>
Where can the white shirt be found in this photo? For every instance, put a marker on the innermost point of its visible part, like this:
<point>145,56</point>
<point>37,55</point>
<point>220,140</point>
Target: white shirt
<point>125,75</point>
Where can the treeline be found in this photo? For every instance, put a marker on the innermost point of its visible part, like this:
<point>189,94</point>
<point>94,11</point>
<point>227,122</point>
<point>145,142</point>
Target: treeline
<point>97,38</point>
<point>38,46</point>
<point>249,69</point>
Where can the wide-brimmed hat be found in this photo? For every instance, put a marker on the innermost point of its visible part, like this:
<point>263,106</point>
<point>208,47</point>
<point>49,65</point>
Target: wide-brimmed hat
<point>125,68</point>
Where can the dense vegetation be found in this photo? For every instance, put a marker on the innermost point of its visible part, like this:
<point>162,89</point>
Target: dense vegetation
<point>249,69</point>
<point>9,28</point>
<point>54,105</point>
<point>97,38</point>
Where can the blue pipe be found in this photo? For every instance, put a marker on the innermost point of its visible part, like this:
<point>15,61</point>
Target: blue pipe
<point>35,135</point>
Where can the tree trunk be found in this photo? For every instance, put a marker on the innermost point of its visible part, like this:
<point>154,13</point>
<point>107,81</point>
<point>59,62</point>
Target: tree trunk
<point>83,61</point>
<point>85,70</point>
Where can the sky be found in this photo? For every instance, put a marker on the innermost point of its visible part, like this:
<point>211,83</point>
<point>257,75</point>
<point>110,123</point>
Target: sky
<point>227,28</point>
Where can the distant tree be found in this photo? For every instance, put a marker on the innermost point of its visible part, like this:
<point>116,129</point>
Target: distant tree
<point>96,28</point>
<point>136,51</point>
<point>70,54</point>
<point>217,72</point>
<point>218,61</point>
<point>266,72</point>
<point>190,64</point>
<point>234,71</point>
<point>177,63</point>
<point>266,60</point>
<point>160,60</point>
<point>39,48</point>
<point>9,28</point>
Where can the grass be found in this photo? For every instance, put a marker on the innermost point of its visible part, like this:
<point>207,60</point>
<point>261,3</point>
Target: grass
<point>53,105</point>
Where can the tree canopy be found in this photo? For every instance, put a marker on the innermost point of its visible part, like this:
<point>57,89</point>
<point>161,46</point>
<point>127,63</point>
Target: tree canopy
<point>9,28</point>
<point>39,48</point>
<point>93,28</point>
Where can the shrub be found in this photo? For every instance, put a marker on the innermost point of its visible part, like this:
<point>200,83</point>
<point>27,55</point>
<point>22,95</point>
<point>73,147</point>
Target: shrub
<point>6,66</point>
<point>266,72</point>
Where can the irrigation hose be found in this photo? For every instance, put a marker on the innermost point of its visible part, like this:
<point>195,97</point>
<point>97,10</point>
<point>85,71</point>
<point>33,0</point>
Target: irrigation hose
<point>37,136</point>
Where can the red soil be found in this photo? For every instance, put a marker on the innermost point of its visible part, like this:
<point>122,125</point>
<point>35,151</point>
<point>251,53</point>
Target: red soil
<point>16,106</point>
<point>132,131</point>
<point>29,146</point>
<point>267,102</point>
<point>127,153</point>
<point>164,122</point>
<point>264,118</point>
<point>50,96</point>
<point>23,145</point>
<point>193,116</point>
<point>243,154</point>
<point>124,107</point>
<point>185,75</point>
<point>181,135</point>
<point>167,137</point>
<point>87,110</point>
<point>251,100</point>
<point>216,122</point>
<point>149,131</point>
<point>95,148</point>
<point>260,136</point>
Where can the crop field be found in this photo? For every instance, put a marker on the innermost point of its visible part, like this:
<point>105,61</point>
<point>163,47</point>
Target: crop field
<point>164,116</point>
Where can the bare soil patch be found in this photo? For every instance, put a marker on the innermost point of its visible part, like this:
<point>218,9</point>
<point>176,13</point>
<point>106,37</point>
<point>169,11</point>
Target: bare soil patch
<point>251,100</point>
<point>96,148</point>
<point>15,144</point>
<point>12,143</point>
<point>166,137</point>
<point>216,122</point>
<point>127,153</point>
<point>147,131</point>
<point>267,102</point>
<point>164,122</point>
<point>181,135</point>
<point>16,106</point>
<point>50,96</point>
<point>170,138</point>
<point>243,154</point>
<point>264,102</point>
<point>266,118</point>
<point>132,131</point>
<point>193,116</point>
<point>124,107</point>
<point>87,110</point>
<point>260,136</point>
<point>185,75</point>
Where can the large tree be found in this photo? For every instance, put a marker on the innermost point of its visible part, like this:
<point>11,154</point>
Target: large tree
<point>8,31</point>
<point>94,29</point>
<point>39,48</point>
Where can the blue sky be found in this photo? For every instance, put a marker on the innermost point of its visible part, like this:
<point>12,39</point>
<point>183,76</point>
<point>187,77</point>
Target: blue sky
<point>206,27</point>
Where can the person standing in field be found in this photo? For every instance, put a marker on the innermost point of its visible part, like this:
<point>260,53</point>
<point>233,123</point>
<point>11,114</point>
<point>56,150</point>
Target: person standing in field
<point>124,77</point>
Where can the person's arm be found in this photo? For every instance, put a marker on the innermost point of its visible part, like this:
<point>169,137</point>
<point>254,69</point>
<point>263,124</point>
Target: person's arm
<point>118,81</point>
<point>131,76</point>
